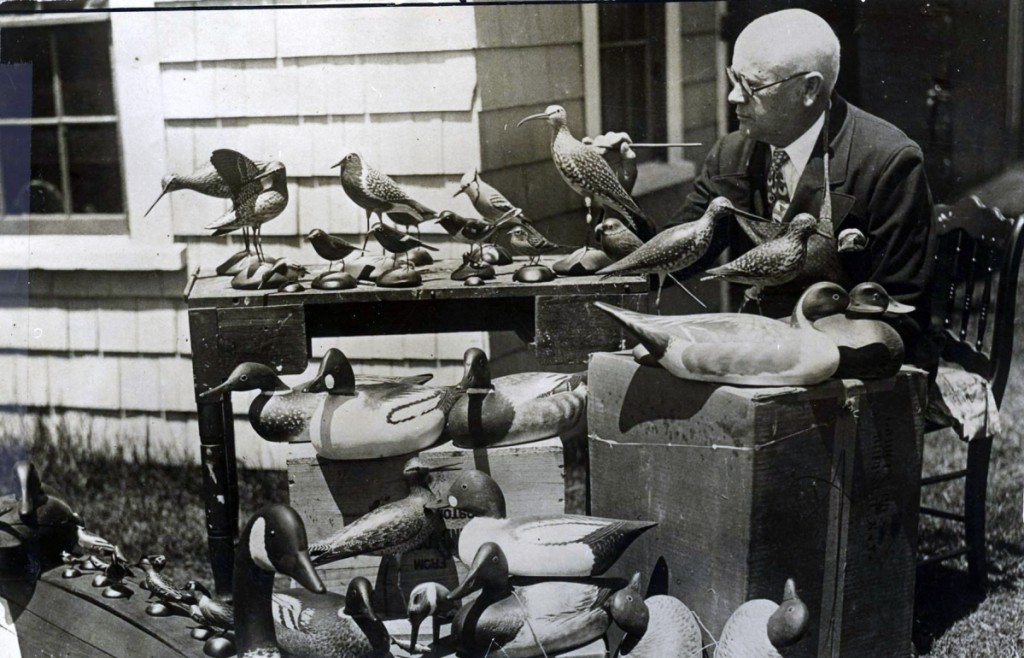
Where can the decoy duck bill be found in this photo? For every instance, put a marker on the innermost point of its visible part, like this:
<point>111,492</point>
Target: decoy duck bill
<point>541,115</point>
<point>898,307</point>
<point>440,503</point>
<point>216,389</point>
<point>302,570</point>
<point>864,309</point>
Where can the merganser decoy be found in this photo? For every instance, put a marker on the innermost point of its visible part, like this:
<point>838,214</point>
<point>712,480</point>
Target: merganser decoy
<point>675,248</point>
<point>273,541</point>
<point>37,528</point>
<point>869,347</point>
<point>330,625</point>
<point>758,628</point>
<point>774,262</point>
<point>615,239</point>
<point>656,627</point>
<point>515,408</point>
<point>391,529</point>
<point>551,545</point>
<point>353,421</point>
<point>259,193</point>
<point>428,600</point>
<point>741,348</point>
<point>527,620</point>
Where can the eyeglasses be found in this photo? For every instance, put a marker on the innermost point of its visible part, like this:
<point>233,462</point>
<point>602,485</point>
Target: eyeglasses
<point>744,84</point>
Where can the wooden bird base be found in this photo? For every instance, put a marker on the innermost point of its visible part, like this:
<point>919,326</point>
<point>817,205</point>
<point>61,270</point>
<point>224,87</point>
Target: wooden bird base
<point>582,262</point>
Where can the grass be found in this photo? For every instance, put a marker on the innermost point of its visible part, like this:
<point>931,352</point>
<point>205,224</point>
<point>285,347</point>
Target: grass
<point>149,507</point>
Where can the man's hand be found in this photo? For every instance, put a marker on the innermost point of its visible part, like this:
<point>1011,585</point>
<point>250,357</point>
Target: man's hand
<point>615,149</point>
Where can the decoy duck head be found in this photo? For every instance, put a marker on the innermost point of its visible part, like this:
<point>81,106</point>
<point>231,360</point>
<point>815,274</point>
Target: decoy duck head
<point>194,587</point>
<point>489,572</point>
<point>554,114</point>
<point>250,376</point>
<point>820,300</point>
<point>358,599</point>
<point>335,375</point>
<point>805,225</point>
<point>789,623</point>
<point>426,599</point>
<point>870,298</point>
<point>350,158</point>
<point>477,493</point>
<point>468,179</point>
<point>476,373</point>
<point>629,610</point>
<point>275,540</point>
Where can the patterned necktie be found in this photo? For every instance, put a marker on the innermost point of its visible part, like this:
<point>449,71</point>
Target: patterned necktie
<point>777,188</point>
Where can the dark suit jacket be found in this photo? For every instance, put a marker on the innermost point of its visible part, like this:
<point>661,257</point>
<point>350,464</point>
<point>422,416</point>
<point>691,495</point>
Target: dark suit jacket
<point>877,178</point>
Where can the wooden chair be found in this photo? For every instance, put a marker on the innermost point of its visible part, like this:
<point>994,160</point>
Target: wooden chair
<point>978,259</point>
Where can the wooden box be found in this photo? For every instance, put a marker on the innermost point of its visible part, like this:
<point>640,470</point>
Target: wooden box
<point>399,629</point>
<point>755,485</point>
<point>329,494</point>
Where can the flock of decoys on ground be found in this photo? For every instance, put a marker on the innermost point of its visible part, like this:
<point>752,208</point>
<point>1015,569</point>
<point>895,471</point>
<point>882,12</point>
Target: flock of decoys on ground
<point>535,585</point>
<point>627,242</point>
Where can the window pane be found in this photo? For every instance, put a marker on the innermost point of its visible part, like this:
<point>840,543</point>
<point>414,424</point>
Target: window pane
<point>15,167</point>
<point>44,190</point>
<point>31,44</point>
<point>84,52</point>
<point>95,169</point>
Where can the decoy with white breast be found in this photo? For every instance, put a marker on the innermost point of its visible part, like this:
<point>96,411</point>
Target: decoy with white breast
<point>655,627</point>
<point>759,628</point>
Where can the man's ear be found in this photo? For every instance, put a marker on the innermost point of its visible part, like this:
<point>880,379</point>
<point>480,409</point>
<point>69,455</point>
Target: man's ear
<point>814,86</point>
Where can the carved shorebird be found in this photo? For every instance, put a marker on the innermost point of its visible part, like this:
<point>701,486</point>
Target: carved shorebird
<point>259,193</point>
<point>675,248</point>
<point>376,193</point>
<point>615,239</point>
<point>489,202</point>
<point>204,180</point>
<point>771,263</point>
<point>472,230</point>
<point>331,247</point>
<point>396,243</point>
<point>586,172</point>
<point>528,241</point>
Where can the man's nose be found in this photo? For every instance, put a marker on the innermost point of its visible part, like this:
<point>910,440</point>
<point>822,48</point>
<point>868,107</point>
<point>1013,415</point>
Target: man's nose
<point>736,96</point>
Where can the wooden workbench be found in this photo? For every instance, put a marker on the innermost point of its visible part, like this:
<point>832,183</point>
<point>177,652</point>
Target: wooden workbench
<point>230,326</point>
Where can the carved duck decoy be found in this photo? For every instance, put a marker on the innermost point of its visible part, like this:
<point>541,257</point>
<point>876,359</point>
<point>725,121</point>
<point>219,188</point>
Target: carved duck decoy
<point>36,528</point>
<point>391,529</point>
<point>759,628</point>
<point>869,347</point>
<point>330,625</point>
<point>333,371</point>
<point>552,545</point>
<point>515,408</point>
<point>428,600</point>
<point>158,586</point>
<point>273,541</point>
<point>741,348</point>
<point>208,611</point>
<point>527,620</point>
<point>352,421</point>
<point>656,627</point>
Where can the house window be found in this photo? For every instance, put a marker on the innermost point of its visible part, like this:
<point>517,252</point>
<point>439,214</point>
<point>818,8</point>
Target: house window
<point>60,163</point>
<point>631,40</point>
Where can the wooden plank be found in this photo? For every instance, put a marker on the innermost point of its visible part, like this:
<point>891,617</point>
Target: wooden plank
<point>568,329</point>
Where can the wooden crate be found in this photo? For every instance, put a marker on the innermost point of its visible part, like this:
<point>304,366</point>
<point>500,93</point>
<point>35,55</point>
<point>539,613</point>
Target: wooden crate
<point>754,485</point>
<point>329,494</point>
<point>399,629</point>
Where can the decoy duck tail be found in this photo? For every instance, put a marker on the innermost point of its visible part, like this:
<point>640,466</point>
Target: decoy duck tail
<point>654,340</point>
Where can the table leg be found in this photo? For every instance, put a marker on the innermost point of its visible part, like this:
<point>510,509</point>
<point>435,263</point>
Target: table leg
<point>232,464</point>
<point>221,527</point>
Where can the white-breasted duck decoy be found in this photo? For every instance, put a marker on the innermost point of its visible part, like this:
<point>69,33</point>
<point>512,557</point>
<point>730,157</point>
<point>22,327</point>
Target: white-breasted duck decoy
<point>391,529</point>
<point>742,348</point>
<point>517,408</point>
<point>759,628</point>
<point>658,626</point>
<point>522,621</point>
<point>333,370</point>
<point>555,545</point>
<point>869,347</point>
<point>272,542</point>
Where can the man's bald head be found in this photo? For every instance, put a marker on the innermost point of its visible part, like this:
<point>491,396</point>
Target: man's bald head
<point>786,42</point>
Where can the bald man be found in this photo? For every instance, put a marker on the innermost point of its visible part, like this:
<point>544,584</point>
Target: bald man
<point>783,72</point>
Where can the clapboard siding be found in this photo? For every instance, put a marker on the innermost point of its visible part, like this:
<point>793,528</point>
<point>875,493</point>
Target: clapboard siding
<point>500,26</point>
<point>542,75</point>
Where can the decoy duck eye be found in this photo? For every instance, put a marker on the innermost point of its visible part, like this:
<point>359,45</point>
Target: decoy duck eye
<point>465,486</point>
<point>835,296</point>
<point>244,378</point>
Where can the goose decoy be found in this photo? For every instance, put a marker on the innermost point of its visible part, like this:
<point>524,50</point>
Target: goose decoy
<point>376,193</point>
<point>272,542</point>
<point>488,201</point>
<point>656,627</point>
<point>353,421</point>
<point>615,239</point>
<point>259,193</point>
<point>771,263</point>
<point>396,243</point>
<point>526,620</point>
<point>869,347</point>
<point>329,625</point>
<point>391,529</point>
<point>675,248</point>
<point>759,628</point>
<point>36,528</point>
<point>552,545</point>
<point>741,348</point>
<point>586,172</point>
<point>428,600</point>
<point>515,409</point>
<point>333,371</point>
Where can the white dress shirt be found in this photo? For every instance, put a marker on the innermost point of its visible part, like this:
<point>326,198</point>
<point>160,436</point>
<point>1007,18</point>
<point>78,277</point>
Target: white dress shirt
<point>799,153</point>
